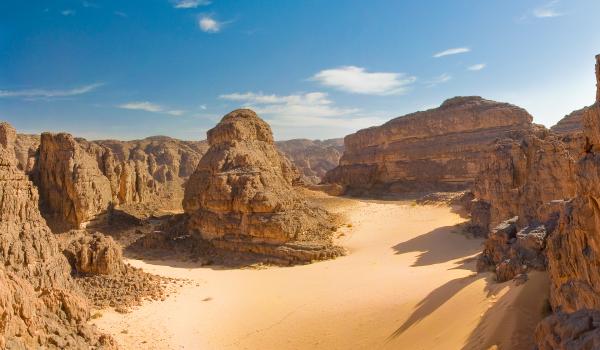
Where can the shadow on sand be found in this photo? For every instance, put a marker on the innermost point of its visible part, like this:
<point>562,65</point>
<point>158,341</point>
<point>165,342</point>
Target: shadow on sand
<point>439,246</point>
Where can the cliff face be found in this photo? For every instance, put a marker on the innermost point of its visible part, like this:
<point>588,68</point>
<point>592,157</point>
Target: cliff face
<point>313,158</point>
<point>39,303</point>
<point>241,197</point>
<point>80,179</point>
<point>72,187</point>
<point>524,170</point>
<point>438,149</point>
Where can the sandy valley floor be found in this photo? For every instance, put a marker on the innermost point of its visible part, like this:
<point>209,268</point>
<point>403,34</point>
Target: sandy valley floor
<point>408,282</point>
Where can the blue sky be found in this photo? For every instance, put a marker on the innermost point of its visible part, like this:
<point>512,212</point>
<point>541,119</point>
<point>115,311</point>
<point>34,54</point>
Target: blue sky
<point>313,69</point>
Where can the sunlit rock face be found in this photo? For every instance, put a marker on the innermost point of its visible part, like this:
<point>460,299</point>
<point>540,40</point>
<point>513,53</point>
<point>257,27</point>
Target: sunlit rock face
<point>40,306</point>
<point>438,149</point>
<point>241,196</point>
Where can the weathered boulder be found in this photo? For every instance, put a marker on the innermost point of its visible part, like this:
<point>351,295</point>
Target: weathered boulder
<point>436,150</point>
<point>93,253</point>
<point>241,197</point>
<point>313,157</point>
<point>563,331</point>
<point>40,306</point>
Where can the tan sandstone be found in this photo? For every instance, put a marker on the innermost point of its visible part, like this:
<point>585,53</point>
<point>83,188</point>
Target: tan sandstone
<point>241,196</point>
<point>438,149</point>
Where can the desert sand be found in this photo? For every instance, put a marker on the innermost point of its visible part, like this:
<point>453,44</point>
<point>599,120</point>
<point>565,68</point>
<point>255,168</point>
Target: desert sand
<point>408,282</point>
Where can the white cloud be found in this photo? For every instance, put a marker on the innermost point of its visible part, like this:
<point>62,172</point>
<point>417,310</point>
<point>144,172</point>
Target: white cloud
<point>440,79</point>
<point>477,67</point>
<point>151,107</point>
<point>300,106</point>
<point>67,12</point>
<point>189,4</point>
<point>209,24</point>
<point>453,51</point>
<point>357,80</point>
<point>120,14</point>
<point>44,93</point>
<point>547,11</point>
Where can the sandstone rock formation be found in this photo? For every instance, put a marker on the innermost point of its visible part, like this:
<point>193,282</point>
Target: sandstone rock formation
<point>241,197</point>
<point>571,123</point>
<point>313,157</point>
<point>93,253</point>
<point>525,170</point>
<point>26,147</point>
<point>439,149</point>
<point>149,170</point>
<point>73,189</point>
<point>562,331</point>
<point>39,303</point>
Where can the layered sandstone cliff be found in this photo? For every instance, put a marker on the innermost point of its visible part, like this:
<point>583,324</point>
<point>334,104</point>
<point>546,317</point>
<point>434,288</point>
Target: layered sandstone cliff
<point>523,171</point>
<point>241,197</point>
<point>439,149</point>
<point>313,158</point>
<point>39,303</point>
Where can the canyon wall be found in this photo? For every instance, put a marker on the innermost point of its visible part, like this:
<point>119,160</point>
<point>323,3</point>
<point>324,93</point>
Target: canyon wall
<point>438,149</point>
<point>40,306</point>
<point>313,158</point>
<point>241,196</point>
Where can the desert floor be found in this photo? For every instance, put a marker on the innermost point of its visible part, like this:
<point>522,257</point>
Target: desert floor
<point>408,282</point>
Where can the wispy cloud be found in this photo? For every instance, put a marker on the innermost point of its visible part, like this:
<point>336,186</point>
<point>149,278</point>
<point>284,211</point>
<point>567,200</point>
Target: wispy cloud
<point>89,4</point>
<point>312,104</point>
<point>453,51</point>
<point>120,14</point>
<point>477,67</point>
<point>440,79</point>
<point>357,80</point>
<point>189,4</point>
<point>67,12</point>
<point>548,10</point>
<point>151,107</point>
<point>310,112</point>
<point>45,93</point>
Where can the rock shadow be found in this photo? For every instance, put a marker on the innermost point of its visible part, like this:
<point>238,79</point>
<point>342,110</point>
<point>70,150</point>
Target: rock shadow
<point>439,246</point>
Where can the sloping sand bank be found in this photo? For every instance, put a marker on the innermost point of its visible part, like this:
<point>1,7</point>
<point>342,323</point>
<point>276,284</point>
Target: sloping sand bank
<point>407,283</point>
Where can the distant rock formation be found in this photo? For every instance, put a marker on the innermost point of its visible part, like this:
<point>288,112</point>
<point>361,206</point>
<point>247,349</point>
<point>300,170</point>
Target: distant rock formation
<point>39,303</point>
<point>241,197</point>
<point>571,123</point>
<point>439,149</point>
<point>149,170</point>
<point>313,158</point>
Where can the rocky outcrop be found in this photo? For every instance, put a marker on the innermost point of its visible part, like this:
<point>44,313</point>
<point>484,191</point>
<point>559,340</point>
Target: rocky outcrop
<point>149,170</point>
<point>571,123</point>
<point>93,253</point>
<point>525,170</point>
<point>439,149</point>
<point>562,331</point>
<point>241,197</point>
<point>79,179</point>
<point>26,147</point>
<point>39,303</point>
<point>313,158</point>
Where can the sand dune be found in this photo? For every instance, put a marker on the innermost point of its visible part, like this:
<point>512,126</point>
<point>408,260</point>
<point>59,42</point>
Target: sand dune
<point>408,282</point>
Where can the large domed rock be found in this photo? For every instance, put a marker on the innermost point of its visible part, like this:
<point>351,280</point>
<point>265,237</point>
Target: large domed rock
<point>241,197</point>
